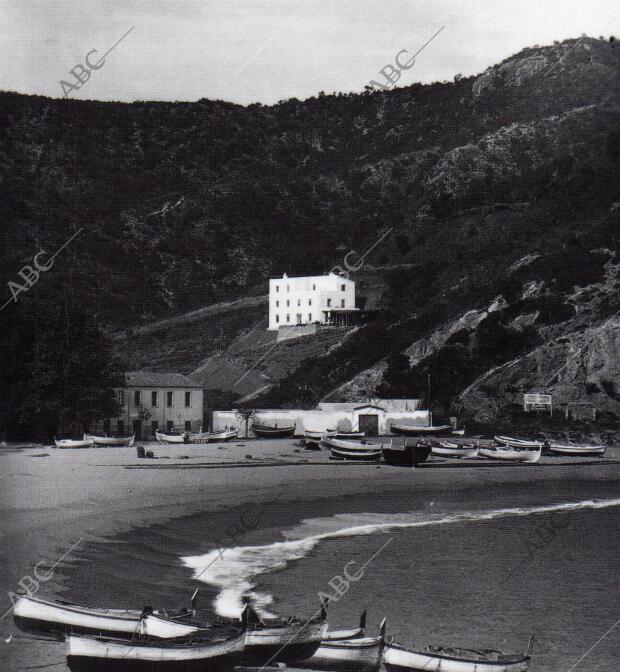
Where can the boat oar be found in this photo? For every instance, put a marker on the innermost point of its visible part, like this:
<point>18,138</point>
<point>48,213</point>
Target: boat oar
<point>194,601</point>
<point>530,646</point>
<point>363,620</point>
<point>382,630</point>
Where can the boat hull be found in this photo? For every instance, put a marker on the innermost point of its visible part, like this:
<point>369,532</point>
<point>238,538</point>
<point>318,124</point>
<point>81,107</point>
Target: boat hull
<point>170,438</point>
<point>578,451</point>
<point>510,454</point>
<point>454,450</point>
<point>71,443</point>
<point>357,655</point>
<point>407,456</point>
<point>410,430</point>
<point>351,450</point>
<point>283,644</point>
<point>264,432</point>
<point>88,654</point>
<point>399,659</point>
<point>514,442</point>
<point>110,440</point>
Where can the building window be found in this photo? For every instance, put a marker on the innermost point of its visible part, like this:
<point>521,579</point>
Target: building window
<point>169,425</point>
<point>277,288</point>
<point>288,288</point>
<point>309,302</point>
<point>154,399</point>
<point>188,399</point>
<point>288,303</point>
<point>329,302</point>
<point>277,319</point>
<point>277,304</point>
<point>188,425</point>
<point>288,317</point>
<point>309,317</point>
<point>299,318</point>
<point>120,426</point>
<point>121,397</point>
<point>314,288</point>
<point>154,426</point>
<point>342,303</point>
<point>343,288</point>
<point>169,399</point>
<point>299,302</point>
<point>136,398</point>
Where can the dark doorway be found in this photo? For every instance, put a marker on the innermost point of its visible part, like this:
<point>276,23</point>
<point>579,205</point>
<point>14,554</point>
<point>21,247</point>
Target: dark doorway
<point>137,429</point>
<point>369,424</point>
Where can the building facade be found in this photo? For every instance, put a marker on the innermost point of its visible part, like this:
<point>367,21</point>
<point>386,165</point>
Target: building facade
<point>156,401</point>
<point>309,300</point>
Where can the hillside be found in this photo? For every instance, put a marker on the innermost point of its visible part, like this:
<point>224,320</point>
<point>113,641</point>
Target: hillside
<point>188,208</point>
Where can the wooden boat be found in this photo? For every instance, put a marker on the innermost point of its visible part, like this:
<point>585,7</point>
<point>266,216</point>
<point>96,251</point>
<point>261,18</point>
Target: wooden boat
<point>362,654</point>
<point>344,436</point>
<point>410,454</point>
<point>172,436</point>
<point>351,633</point>
<point>451,449</point>
<point>398,658</point>
<point>412,430</point>
<point>518,443</point>
<point>277,640</point>
<point>33,614</point>
<point>458,432</point>
<point>352,450</point>
<point>575,449</point>
<point>110,440</point>
<point>117,655</point>
<point>223,435</point>
<point>74,443</point>
<point>268,432</point>
<point>510,453</point>
<point>313,435</point>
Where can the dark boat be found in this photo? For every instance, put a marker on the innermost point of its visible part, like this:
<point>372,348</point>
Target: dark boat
<point>268,432</point>
<point>343,435</point>
<point>409,453</point>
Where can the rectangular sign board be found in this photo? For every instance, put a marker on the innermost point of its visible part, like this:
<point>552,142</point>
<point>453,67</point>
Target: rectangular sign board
<point>535,402</point>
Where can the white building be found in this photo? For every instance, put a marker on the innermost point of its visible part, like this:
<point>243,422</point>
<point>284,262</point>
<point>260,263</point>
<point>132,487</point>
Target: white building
<point>307,300</point>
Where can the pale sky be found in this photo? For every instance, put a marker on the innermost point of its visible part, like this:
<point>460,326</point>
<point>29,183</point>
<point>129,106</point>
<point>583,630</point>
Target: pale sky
<point>248,51</point>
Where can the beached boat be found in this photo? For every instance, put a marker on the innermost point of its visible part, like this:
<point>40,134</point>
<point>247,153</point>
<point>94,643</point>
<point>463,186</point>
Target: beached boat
<point>343,435</point>
<point>451,449</point>
<point>351,633</point>
<point>269,432</point>
<point>413,430</point>
<point>74,443</point>
<point>213,437</point>
<point>362,654</point>
<point>110,440</point>
<point>398,658</point>
<point>458,432</point>
<point>510,453</point>
<point>575,449</point>
<point>33,614</point>
<point>278,640</point>
<point>518,443</point>
<point>410,454</point>
<point>313,435</point>
<point>87,654</point>
<point>352,450</point>
<point>172,436</point>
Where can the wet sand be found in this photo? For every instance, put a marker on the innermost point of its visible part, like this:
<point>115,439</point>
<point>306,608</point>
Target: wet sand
<point>472,583</point>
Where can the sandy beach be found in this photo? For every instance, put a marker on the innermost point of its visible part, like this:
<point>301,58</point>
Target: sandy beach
<point>467,563</point>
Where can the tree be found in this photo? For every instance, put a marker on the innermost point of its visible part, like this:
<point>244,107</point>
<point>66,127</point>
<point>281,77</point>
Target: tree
<point>61,375</point>
<point>396,377</point>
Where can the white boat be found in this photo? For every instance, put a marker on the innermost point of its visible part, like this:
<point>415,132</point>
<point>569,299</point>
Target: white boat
<point>344,435</point>
<point>451,449</point>
<point>398,658</point>
<point>223,435</point>
<point>518,443</point>
<point>352,450</point>
<point>510,453</point>
<point>575,449</point>
<point>116,655</point>
<point>171,437</point>
<point>362,654</point>
<point>415,430</point>
<point>458,432</point>
<point>313,435</point>
<point>110,440</point>
<point>33,614</point>
<point>74,443</point>
<point>351,633</point>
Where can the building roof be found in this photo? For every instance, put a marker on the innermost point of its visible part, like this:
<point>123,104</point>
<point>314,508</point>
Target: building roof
<point>159,379</point>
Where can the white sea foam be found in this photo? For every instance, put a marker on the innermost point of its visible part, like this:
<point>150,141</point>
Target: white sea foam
<point>235,571</point>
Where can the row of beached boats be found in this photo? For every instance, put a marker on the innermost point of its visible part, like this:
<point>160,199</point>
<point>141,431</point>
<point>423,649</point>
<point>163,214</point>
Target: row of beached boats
<point>114,640</point>
<point>415,451</point>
